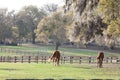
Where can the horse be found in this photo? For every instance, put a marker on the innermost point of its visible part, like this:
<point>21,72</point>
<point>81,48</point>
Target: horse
<point>100,58</point>
<point>55,57</point>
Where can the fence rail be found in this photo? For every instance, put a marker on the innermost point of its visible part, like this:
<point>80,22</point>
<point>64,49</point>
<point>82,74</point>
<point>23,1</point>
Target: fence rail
<point>63,60</point>
<point>37,56</point>
<point>17,50</point>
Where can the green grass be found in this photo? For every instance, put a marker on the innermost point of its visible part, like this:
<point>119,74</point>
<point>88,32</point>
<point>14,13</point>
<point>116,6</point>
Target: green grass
<point>48,71</point>
<point>64,71</point>
<point>49,49</point>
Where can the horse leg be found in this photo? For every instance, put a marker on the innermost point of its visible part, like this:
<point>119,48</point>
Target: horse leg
<point>101,64</point>
<point>97,63</point>
<point>57,62</point>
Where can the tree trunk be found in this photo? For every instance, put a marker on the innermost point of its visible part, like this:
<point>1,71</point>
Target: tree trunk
<point>57,45</point>
<point>33,38</point>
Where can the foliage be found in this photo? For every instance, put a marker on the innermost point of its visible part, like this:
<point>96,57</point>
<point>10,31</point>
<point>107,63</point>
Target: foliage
<point>114,27</point>
<point>16,27</point>
<point>86,23</point>
<point>53,27</point>
<point>27,21</point>
<point>94,18</point>
<point>110,13</point>
<point>6,27</point>
<point>49,8</point>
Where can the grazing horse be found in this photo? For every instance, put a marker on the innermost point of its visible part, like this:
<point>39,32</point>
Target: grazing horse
<point>100,58</point>
<point>55,57</point>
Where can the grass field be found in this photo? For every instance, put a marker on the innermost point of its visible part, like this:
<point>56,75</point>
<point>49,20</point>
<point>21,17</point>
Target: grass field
<point>64,71</point>
<point>50,49</point>
<point>48,71</point>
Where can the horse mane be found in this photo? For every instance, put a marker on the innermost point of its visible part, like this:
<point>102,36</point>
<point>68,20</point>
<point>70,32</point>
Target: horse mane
<point>55,54</point>
<point>100,55</point>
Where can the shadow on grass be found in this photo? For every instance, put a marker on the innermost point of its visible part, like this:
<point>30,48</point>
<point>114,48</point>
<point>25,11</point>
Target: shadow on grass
<point>30,79</point>
<point>9,69</point>
<point>45,79</point>
<point>102,79</point>
<point>82,67</point>
<point>61,79</point>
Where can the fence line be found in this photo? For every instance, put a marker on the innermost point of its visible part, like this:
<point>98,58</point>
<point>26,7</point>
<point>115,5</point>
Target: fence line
<point>23,52</point>
<point>63,60</point>
<point>37,57</point>
<point>10,50</point>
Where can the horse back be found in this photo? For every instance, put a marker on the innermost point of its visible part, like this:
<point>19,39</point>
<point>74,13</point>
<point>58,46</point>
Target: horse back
<point>56,54</point>
<point>100,55</point>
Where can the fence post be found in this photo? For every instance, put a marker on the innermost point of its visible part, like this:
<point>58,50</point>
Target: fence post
<point>0,58</point>
<point>107,58</point>
<point>45,59</point>
<point>29,59</point>
<point>71,59</point>
<point>15,59</point>
<point>64,60</point>
<point>22,59</point>
<point>89,59</point>
<point>80,60</point>
<point>42,59</point>
<point>111,59</point>
<point>36,59</point>
<point>117,60</point>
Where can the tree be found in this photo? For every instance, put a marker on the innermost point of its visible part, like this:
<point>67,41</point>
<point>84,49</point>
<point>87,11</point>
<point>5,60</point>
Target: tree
<point>110,11</point>
<point>48,8</point>
<point>28,19</point>
<point>53,27</point>
<point>6,26</point>
<point>87,22</point>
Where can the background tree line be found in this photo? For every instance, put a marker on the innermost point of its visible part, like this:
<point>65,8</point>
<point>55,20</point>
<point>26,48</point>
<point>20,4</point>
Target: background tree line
<point>19,26</point>
<point>78,21</point>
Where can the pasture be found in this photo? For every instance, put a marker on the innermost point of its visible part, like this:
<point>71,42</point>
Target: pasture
<point>64,71</point>
<point>48,50</point>
<point>48,71</point>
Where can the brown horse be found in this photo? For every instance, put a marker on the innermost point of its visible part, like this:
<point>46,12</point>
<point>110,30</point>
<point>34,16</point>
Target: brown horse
<point>55,57</point>
<point>100,58</point>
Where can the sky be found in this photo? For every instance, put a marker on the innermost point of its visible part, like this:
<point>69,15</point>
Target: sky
<point>18,4</point>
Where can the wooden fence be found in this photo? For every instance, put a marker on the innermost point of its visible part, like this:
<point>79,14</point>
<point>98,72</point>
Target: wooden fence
<point>17,50</point>
<point>63,60</point>
<point>37,56</point>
